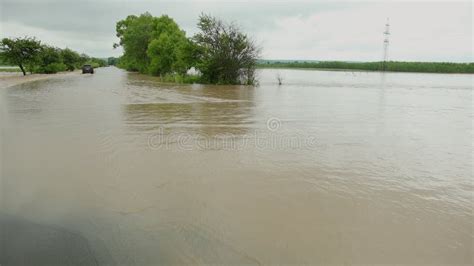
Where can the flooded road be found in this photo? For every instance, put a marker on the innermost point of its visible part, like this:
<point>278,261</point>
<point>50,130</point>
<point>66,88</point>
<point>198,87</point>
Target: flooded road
<point>330,167</point>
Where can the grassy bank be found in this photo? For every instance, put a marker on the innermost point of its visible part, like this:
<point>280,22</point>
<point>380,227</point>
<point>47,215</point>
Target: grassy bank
<point>425,67</point>
<point>10,70</point>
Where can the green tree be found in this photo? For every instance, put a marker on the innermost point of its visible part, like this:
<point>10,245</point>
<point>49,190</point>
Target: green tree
<point>83,58</point>
<point>50,60</point>
<point>70,58</point>
<point>157,46</point>
<point>135,33</point>
<point>169,53</point>
<point>228,55</point>
<point>162,55</point>
<point>98,62</point>
<point>187,56</point>
<point>112,61</point>
<point>20,51</point>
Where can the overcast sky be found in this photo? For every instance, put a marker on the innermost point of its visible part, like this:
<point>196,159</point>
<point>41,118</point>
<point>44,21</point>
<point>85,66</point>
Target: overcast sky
<point>317,30</point>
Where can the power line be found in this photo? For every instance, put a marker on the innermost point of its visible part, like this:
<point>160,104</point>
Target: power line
<point>386,41</point>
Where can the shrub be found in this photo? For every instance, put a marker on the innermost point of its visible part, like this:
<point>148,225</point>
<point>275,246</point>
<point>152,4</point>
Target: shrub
<point>52,68</point>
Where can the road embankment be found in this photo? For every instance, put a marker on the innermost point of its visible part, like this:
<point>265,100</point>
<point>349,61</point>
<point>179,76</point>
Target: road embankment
<point>8,79</point>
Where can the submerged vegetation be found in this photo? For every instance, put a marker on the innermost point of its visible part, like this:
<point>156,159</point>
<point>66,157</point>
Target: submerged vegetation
<point>30,55</point>
<point>427,67</point>
<point>220,53</point>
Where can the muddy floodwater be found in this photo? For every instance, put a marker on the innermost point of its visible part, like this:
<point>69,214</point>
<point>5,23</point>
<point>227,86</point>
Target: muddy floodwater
<point>116,168</point>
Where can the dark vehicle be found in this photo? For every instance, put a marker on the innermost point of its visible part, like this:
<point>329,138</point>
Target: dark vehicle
<point>87,69</point>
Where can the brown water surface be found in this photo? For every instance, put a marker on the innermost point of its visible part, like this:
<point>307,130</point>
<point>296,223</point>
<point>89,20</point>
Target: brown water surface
<point>330,167</point>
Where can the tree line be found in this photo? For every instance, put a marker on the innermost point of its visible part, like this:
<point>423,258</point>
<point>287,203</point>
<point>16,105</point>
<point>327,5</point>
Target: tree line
<point>221,53</point>
<point>395,66</point>
<point>30,55</point>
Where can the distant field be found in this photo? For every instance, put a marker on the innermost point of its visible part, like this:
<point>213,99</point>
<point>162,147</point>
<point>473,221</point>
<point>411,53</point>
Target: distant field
<point>426,67</point>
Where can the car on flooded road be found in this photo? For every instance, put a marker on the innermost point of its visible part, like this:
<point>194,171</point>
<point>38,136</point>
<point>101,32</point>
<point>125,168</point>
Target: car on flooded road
<point>87,69</point>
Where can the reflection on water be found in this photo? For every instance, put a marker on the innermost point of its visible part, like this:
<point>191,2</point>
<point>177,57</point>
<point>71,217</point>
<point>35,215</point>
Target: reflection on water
<point>208,110</point>
<point>388,181</point>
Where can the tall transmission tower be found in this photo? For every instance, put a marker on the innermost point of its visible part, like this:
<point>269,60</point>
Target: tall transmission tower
<point>386,34</point>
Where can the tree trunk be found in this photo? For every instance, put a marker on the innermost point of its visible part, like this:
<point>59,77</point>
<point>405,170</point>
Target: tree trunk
<point>22,70</point>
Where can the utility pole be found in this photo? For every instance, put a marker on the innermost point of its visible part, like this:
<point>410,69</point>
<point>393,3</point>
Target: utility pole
<point>386,34</point>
